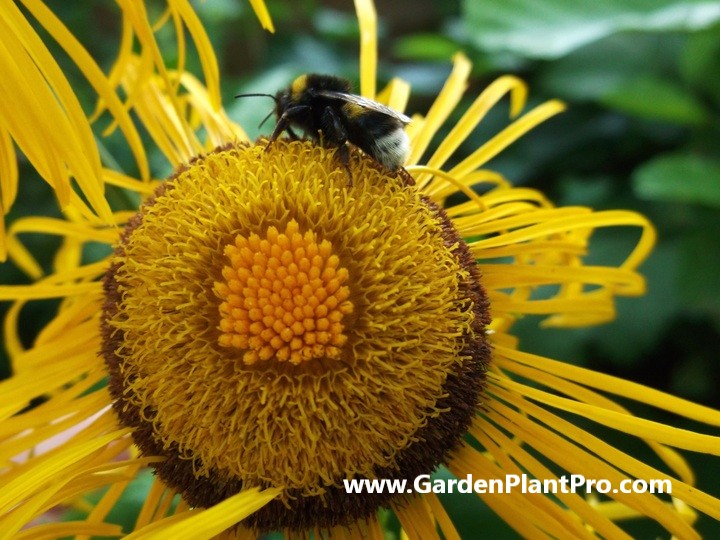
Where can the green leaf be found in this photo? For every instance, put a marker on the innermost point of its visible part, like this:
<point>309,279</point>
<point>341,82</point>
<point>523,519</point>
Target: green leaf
<point>425,47</point>
<point>699,286</point>
<point>655,99</point>
<point>552,28</point>
<point>683,178</point>
<point>590,73</point>
<point>700,62</point>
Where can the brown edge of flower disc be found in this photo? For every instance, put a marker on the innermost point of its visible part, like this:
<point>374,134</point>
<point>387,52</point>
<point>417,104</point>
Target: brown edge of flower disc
<point>434,443</point>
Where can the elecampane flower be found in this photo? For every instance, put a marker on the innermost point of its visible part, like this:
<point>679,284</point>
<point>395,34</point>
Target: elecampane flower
<point>270,329</point>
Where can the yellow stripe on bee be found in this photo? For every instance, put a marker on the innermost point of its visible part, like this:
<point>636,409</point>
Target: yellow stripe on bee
<point>353,110</point>
<point>299,85</point>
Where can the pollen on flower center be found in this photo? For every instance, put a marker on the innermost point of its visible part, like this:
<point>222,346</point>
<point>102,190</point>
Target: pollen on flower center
<point>268,324</point>
<point>283,297</point>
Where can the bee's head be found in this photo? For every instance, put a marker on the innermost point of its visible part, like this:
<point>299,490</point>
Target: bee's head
<point>283,101</point>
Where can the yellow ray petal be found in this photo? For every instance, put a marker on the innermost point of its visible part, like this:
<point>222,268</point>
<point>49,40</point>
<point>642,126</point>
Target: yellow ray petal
<point>507,136</point>
<point>71,134</point>
<point>475,114</point>
<point>444,104</point>
<point>367,19</point>
<point>19,390</point>
<point>8,172</point>
<point>395,95</point>
<point>220,129</point>
<point>416,519</point>
<point>577,461</point>
<point>498,444</point>
<point>208,60</point>
<point>646,429</point>
<point>670,457</point>
<point>617,458</point>
<point>518,510</point>
<point>50,531</point>
<point>13,447</point>
<point>618,279</point>
<point>206,523</point>
<point>48,468</point>
<point>262,14</point>
<point>544,223</point>
<point>617,386</point>
<point>443,519</point>
<point>150,505</point>
<point>57,406</point>
<point>36,292</point>
<point>95,77</point>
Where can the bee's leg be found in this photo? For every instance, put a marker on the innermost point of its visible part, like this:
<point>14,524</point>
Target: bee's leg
<point>283,123</point>
<point>292,134</point>
<point>335,130</point>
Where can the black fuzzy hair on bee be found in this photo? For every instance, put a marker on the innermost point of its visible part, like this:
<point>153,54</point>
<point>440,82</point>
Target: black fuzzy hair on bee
<point>326,110</point>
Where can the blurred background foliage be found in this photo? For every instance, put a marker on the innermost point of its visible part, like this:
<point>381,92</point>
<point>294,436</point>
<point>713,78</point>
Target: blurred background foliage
<point>642,81</point>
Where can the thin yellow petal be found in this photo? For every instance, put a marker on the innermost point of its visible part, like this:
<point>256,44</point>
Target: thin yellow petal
<point>262,14</point>
<point>11,522</point>
<point>459,186</point>
<point>573,459</point>
<point>72,132</point>
<point>575,391</point>
<point>208,60</point>
<point>19,390</point>
<point>219,127</point>
<point>544,223</point>
<point>395,95</point>
<point>19,89</point>
<point>13,343</point>
<point>95,77</point>
<point>36,292</point>
<point>475,114</point>
<point>367,18</point>
<point>498,444</point>
<point>620,280</point>
<point>516,509</point>
<point>201,524</point>
<point>150,505</point>
<point>50,531</point>
<point>635,468</point>
<point>583,311</point>
<point>416,519</point>
<point>63,402</point>
<point>161,113</point>
<point>443,519</point>
<point>116,178</point>
<point>61,227</point>
<point>3,242</point>
<point>444,104</point>
<point>645,429</point>
<point>13,447</point>
<point>49,467</point>
<point>8,172</point>
<point>617,386</point>
<point>507,136</point>
<point>75,313</point>
<point>149,92</point>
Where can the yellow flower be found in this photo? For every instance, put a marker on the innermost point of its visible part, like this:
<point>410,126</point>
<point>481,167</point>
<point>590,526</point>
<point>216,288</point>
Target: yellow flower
<point>268,329</point>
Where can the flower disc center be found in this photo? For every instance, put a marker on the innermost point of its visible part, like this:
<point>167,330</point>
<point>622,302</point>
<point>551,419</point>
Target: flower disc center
<point>283,297</point>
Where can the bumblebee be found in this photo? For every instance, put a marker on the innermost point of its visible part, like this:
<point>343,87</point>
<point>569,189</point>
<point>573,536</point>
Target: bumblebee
<point>326,110</point>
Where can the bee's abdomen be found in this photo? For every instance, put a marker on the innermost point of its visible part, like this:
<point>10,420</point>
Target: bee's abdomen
<point>392,148</point>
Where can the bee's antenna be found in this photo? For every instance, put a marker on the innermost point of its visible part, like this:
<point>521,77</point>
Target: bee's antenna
<point>265,119</point>
<point>261,95</point>
<point>258,95</point>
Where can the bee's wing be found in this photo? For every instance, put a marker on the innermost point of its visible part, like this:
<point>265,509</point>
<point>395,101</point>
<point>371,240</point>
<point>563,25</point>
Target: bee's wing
<point>365,103</point>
